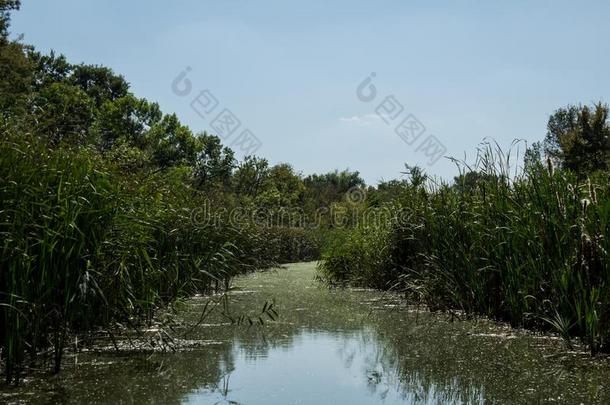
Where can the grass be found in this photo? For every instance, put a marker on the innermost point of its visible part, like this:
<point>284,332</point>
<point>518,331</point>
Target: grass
<point>86,246</point>
<point>530,248</point>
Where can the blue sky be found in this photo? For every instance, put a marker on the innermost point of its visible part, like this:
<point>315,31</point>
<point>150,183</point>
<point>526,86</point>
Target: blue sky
<point>289,70</point>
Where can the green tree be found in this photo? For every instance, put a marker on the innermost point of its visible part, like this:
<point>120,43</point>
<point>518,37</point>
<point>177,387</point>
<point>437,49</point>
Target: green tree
<point>387,191</point>
<point>533,156</point>
<point>49,69</point>
<point>128,119</point>
<point>63,113</point>
<point>15,78</point>
<point>417,176</point>
<point>251,176</point>
<point>6,6</point>
<point>214,164</point>
<point>578,138</point>
<point>15,67</point>
<point>173,144</point>
<point>99,82</point>
<point>471,181</point>
<point>289,184</point>
<point>324,189</point>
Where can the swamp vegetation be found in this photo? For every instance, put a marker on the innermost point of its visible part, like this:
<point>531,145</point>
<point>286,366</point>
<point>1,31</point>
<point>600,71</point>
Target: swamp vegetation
<point>102,199</point>
<point>111,212</point>
<point>529,249</point>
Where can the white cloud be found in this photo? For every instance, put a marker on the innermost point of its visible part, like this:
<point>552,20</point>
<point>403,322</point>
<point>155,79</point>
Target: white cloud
<point>364,120</point>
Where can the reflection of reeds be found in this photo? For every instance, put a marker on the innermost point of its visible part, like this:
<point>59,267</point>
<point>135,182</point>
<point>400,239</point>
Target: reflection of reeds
<point>523,247</point>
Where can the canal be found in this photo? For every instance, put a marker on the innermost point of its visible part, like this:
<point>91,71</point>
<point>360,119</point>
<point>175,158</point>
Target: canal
<point>325,346</point>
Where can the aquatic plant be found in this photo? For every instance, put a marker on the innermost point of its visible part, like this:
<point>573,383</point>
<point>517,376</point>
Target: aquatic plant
<point>523,247</point>
<point>86,246</point>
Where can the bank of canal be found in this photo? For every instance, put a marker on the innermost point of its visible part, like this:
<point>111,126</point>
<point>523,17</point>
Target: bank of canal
<point>328,346</point>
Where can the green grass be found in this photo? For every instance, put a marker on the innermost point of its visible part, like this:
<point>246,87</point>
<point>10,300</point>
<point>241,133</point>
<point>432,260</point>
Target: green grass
<point>86,246</point>
<point>531,249</point>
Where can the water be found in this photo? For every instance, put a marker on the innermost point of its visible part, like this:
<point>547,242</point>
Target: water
<point>328,346</point>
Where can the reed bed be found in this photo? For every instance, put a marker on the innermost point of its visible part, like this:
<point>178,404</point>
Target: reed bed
<point>530,248</point>
<point>86,246</point>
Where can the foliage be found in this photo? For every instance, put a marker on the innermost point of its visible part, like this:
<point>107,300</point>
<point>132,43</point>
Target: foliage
<point>98,195</point>
<point>6,6</point>
<point>324,189</point>
<point>524,250</point>
<point>578,138</point>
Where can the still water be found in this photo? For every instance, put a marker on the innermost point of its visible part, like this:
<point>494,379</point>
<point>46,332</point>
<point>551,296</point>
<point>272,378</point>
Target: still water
<point>328,347</point>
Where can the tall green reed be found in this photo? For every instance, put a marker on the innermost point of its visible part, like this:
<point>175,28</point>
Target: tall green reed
<point>524,247</point>
<point>86,245</point>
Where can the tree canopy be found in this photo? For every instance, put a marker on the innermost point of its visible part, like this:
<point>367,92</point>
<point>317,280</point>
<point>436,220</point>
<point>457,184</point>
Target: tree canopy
<point>578,138</point>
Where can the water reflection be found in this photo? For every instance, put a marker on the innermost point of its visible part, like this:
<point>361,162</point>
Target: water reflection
<point>328,347</point>
<point>323,367</point>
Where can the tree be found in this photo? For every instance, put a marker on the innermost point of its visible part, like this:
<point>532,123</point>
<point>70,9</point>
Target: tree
<point>63,113</point>
<point>15,78</point>
<point>99,82</point>
<point>289,184</point>
<point>324,189</point>
<point>15,67</point>
<point>533,156</point>
<point>417,176</point>
<point>49,69</point>
<point>128,119</point>
<point>387,191</point>
<point>214,164</point>
<point>578,138</point>
<point>6,6</point>
<point>470,181</point>
<point>251,176</point>
<point>173,144</point>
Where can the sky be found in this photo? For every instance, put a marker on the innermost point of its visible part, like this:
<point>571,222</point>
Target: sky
<point>290,72</point>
